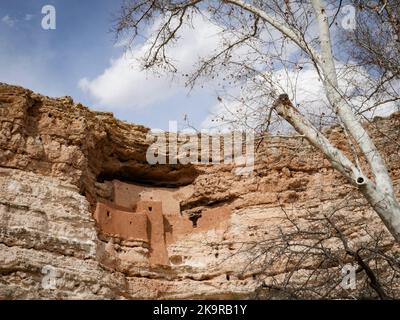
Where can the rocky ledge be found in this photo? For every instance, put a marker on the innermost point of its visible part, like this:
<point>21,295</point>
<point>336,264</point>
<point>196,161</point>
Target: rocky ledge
<point>276,233</point>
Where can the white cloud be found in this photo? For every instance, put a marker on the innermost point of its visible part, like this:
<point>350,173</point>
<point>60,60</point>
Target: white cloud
<point>123,85</point>
<point>307,92</point>
<point>8,21</point>
<point>304,89</point>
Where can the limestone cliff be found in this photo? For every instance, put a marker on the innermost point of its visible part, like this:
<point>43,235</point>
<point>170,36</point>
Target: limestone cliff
<point>83,215</point>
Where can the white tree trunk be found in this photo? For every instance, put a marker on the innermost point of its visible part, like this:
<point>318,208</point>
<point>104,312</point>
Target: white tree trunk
<point>342,108</point>
<point>380,193</point>
<point>386,206</point>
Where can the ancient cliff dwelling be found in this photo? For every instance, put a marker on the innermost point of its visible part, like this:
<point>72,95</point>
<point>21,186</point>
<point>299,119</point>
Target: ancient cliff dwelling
<point>150,218</point>
<point>199,150</point>
<point>83,215</point>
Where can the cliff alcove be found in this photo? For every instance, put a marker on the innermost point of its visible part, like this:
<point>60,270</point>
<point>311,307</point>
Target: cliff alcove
<point>80,204</point>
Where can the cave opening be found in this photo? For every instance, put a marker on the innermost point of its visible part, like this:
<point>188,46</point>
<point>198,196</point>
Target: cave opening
<point>145,178</point>
<point>152,176</point>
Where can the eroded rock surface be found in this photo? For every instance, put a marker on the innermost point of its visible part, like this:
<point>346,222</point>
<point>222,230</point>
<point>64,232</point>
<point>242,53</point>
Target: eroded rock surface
<point>59,161</point>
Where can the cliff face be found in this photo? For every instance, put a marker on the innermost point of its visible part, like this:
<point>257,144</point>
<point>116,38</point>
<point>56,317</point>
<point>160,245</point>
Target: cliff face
<point>72,180</point>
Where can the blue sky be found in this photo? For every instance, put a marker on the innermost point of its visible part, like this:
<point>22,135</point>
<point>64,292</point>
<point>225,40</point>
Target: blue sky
<point>81,59</point>
<point>81,50</point>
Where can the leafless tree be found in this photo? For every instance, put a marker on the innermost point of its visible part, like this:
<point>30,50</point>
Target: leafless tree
<point>376,40</point>
<point>311,255</point>
<point>375,45</point>
<point>256,41</point>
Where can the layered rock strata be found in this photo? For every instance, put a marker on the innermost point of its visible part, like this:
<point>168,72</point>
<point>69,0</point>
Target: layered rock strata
<point>63,167</point>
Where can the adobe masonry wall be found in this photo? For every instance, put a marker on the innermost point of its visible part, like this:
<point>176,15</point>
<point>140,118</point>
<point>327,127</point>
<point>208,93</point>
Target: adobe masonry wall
<point>152,215</point>
<point>127,195</point>
<point>122,224</point>
<point>158,248</point>
<point>181,227</point>
<point>145,224</point>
